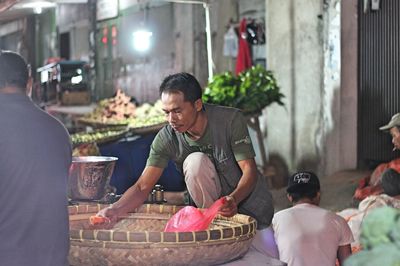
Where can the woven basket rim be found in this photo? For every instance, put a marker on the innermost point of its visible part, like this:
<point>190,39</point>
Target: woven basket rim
<point>122,132</point>
<point>244,231</point>
<point>147,129</point>
<point>99,124</point>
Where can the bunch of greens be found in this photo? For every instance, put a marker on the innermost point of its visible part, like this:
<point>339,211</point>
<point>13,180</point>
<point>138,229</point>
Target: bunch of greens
<point>251,91</point>
<point>380,239</point>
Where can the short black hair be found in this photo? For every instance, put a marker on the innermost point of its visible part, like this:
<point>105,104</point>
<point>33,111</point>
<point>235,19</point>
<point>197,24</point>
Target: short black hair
<point>309,194</point>
<point>391,182</point>
<point>182,82</point>
<point>13,70</point>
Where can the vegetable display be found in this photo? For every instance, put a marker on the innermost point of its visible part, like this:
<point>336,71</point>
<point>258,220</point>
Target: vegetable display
<point>251,91</point>
<point>380,239</point>
<point>98,136</point>
<point>120,111</point>
<point>113,110</point>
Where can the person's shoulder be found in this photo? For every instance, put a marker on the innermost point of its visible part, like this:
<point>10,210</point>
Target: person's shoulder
<point>337,217</point>
<point>284,212</point>
<point>167,134</point>
<point>221,108</point>
<point>225,112</point>
<point>46,118</point>
<point>166,131</point>
<point>332,216</point>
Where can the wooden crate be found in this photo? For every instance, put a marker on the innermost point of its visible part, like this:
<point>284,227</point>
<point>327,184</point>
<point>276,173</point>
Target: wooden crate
<point>75,98</point>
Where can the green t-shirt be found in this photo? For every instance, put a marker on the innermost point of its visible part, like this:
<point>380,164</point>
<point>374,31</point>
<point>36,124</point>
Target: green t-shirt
<point>241,144</point>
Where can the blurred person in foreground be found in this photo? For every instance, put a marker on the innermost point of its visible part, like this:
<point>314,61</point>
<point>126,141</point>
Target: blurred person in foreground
<point>386,176</point>
<point>306,234</point>
<point>34,161</point>
<point>211,147</point>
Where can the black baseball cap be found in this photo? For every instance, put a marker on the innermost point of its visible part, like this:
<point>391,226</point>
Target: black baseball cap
<point>302,182</point>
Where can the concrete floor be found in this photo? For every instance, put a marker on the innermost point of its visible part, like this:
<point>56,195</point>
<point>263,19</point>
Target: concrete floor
<point>336,191</point>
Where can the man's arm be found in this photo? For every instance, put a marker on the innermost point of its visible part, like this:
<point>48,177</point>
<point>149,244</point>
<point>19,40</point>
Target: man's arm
<point>343,253</point>
<point>135,195</point>
<point>245,186</point>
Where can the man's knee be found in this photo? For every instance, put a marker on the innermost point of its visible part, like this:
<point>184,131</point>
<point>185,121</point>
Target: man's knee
<point>195,164</point>
<point>201,179</point>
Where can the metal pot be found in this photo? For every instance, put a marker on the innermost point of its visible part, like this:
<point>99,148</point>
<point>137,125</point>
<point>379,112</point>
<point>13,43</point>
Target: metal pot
<point>89,177</point>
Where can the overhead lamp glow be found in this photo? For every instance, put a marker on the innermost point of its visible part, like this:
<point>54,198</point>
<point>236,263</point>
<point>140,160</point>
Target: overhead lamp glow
<point>141,40</point>
<point>37,4</point>
<point>37,10</point>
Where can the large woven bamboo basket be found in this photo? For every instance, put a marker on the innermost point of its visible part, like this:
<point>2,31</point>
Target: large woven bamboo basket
<point>138,239</point>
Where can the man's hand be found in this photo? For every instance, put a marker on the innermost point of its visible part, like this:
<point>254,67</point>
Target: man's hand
<point>105,218</point>
<point>134,196</point>
<point>229,208</point>
<point>110,213</point>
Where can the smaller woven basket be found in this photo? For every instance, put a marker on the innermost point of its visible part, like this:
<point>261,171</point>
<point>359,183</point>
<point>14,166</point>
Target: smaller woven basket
<point>147,129</point>
<point>138,239</point>
<point>119,133</point>
<point>98,124</point>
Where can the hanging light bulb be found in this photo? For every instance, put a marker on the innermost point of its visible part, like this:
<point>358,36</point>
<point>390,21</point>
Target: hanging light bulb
<point>37,6</point>
<point>37,10</point>
<point>142,40</point>
<point>142,37</point>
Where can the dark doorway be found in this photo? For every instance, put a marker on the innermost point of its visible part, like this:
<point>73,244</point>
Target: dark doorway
<point>379,83</point>
<point>65,45</point>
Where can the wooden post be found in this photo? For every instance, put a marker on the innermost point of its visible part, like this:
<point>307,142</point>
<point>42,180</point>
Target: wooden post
<point>254,123</point>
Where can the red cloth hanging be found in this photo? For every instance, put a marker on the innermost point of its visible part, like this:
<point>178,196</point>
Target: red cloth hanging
<point>243,60</point>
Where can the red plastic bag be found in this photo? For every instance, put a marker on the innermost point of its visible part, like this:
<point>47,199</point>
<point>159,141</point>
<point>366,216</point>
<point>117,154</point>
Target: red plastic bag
<point>193,219</point>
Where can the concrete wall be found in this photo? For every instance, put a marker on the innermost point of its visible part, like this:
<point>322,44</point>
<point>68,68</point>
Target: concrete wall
<point>141,73</point>
<point>303,49</point>
<point>349,85</point>
<point>294,53</point>
<point>74,19</point>
<point>46,38</point>
<point>222,13</point>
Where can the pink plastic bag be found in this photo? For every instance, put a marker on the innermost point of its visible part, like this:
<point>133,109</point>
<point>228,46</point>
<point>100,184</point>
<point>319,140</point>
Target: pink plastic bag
<point>193,219</point>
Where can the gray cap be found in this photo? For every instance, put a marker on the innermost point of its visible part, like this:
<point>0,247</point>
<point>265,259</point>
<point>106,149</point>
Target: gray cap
<point>394,122</point>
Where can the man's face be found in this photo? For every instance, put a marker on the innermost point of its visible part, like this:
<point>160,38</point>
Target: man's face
<point>394,131</point>
<point>180,114</point>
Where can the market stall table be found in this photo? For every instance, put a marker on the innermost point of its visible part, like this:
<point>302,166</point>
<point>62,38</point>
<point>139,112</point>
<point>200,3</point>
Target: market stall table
<point>69,115</point>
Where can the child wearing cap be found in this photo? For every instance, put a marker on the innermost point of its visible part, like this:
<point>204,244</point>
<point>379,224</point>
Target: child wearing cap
<point>307,235</point>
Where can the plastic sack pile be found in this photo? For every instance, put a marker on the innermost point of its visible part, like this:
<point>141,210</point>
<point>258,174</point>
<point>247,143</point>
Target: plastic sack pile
<point>380,239</point>
<point>193,219</point>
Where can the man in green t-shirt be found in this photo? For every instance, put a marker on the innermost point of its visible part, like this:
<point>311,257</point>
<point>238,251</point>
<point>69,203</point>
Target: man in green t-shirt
<point>211,147</point>
<point>201,177</point>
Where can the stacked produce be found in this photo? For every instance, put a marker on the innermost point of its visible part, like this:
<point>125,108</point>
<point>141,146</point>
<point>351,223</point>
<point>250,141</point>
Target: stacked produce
<point>119,110</point>
<point>380,239</point>
<point>147,115</point>
<point>114,110</point>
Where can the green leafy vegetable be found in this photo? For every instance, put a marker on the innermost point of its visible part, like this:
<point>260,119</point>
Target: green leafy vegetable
<point>380,239</point>
<point>251,91</point>
<point>377,226</point>
<point>384,255</point>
